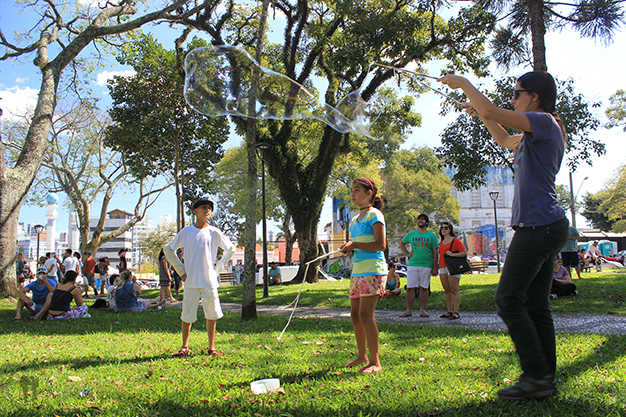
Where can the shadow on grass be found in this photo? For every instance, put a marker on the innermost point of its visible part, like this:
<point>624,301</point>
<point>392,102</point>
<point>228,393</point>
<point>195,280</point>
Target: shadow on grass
<point>409,405</point>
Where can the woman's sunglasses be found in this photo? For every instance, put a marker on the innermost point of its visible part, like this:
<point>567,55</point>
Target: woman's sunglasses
<point>518,92</point>
<point>445,228</point>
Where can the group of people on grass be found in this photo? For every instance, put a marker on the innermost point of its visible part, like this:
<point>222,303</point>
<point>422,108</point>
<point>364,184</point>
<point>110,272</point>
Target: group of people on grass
<point>522,295</point>
<point>52,296</point>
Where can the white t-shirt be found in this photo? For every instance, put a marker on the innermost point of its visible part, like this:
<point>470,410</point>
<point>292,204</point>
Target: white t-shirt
<point>593,250</point>
<point>71,264</point>
<point>51,264</point>
<point>200,246</point>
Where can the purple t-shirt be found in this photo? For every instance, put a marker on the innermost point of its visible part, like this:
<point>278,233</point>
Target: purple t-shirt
<point>537,161</point>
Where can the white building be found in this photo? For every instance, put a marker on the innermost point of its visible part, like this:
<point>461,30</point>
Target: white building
<point>116,218</point>
<point>477,211</point>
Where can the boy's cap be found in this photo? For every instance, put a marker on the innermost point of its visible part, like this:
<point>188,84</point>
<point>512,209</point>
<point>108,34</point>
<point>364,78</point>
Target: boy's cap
<point>202,201</point>
<point>42,270</point>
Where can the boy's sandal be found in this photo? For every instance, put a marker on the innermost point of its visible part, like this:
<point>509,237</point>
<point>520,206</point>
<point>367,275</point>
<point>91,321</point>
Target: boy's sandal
<point>446,315</point>
<point>454,316</point>
<point>214,353</point>
<point>184,351</point>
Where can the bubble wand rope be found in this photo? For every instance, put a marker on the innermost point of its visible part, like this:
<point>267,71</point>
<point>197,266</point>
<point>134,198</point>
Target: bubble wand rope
<point>417,74</point>
<point>306,271</point>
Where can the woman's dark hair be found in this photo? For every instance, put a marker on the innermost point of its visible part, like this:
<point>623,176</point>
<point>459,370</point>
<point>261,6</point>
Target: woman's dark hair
<point>161,255</point>
<point>451,229</point>
<point>543,85</point>
<point>368,185</point>
<point>391,264</point>
<point>70,276</point>
<point>112,278</point>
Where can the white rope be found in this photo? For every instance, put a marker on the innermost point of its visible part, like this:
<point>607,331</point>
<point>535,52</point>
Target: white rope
<point>295,302</point>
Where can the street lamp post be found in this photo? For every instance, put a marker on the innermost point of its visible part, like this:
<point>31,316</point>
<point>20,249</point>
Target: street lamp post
<point>260,150</point>
<point>494,196</point>
<point>38,228</point>
<point>573,197</point>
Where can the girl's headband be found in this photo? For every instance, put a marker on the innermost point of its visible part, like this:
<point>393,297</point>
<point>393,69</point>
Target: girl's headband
<point>369,182</point>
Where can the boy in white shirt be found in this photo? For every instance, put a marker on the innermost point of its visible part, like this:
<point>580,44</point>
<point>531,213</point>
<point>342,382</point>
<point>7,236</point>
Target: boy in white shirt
<point>199,272</point>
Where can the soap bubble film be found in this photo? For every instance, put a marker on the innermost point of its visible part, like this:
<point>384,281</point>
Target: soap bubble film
<point>218,82</point>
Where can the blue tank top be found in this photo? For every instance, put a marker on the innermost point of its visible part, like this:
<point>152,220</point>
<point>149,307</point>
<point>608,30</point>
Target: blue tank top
<point>126,296</point>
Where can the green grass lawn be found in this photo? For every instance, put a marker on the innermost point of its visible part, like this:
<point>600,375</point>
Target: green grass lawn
<point>121,365</point>
<point>600,293</point>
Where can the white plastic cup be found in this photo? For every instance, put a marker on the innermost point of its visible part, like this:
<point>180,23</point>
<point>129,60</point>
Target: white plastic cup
<point>264,385</point>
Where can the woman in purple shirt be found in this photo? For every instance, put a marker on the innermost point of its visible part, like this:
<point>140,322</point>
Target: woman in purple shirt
<point>541,228</point>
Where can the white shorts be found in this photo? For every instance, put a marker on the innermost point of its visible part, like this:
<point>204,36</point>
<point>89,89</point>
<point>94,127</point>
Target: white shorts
<point>444,270</point>
<point>210,304</point>
<point>418,276</point>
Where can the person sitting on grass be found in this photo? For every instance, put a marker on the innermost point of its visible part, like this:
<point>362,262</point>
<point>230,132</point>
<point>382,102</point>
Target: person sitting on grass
<point>40,289</point>
<point>57,306</point>
<point>274,274</point>
<point>562,284</point>
<point>393,287</point>
<point>126,295</point>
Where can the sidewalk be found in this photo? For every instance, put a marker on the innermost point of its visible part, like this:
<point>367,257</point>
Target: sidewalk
<point>563,322</point>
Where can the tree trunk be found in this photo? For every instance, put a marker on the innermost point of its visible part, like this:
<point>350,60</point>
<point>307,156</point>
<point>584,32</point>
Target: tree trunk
<point>248,297</point>
<point>288,239</point>
<point>309,249</point>
<point>248,302</point>
<point>14,183</point>
<point>538,33</point>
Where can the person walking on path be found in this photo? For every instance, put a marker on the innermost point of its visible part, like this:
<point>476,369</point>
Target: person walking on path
<point>569,252</point>
<point>450,246</point>
<point>541,228</point>
<point>423,264</point>
<point>369,272</point>
<point>199,272</point>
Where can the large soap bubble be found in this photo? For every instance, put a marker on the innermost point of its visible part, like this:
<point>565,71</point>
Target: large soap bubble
<point>218,82</point>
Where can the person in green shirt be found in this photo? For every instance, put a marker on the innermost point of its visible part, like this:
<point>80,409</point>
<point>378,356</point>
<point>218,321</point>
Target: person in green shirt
<point>423,263</point>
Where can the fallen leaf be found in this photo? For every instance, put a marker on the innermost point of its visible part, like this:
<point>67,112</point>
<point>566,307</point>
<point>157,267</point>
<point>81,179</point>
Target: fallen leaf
<point>227,397</point>
<point>319,343</point>
<point>506,380</point>
<point>279,390</point>
<point>306,343</point>
<point>484,395</point>
<point>74,378</point>
<point>422,359</point>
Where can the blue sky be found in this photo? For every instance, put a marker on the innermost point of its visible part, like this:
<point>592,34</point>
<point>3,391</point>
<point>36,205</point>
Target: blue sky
<point>597,70</point>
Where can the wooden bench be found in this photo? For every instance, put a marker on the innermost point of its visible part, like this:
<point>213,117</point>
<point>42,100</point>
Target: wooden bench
<point>227,277</point>
<point>479,266</point>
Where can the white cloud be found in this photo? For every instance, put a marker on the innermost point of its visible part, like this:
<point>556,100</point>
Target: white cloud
<point>17,100</point>
<point>21,80</point>
<point>104,76</point>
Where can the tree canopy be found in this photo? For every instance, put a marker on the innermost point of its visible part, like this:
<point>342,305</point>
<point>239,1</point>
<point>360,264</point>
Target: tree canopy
<point>54,40</point>
<point>527,21</point>
<point>149,109</point>
<point>337,42</point>
<point>416,183</point>
<point>606,209</point>
<point>616,112</point>
<point>467,145</point>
